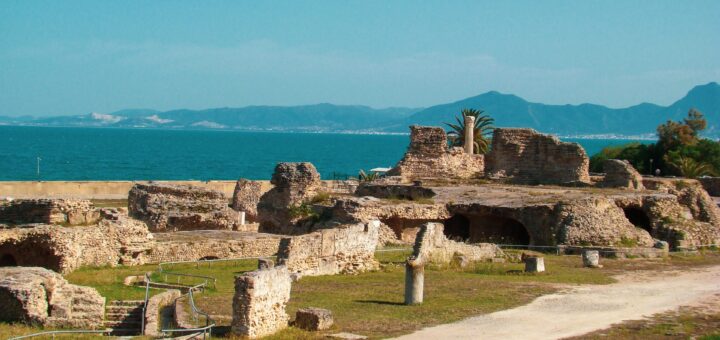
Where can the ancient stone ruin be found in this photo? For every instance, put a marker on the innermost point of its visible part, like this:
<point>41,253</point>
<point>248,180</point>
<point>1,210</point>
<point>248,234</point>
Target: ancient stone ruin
<point>527,157</point>
<point>345,249</point>
<point>64,249</point>
<point>428,156</point>
<point>246,198</point>
<point>621,174</point>
<point>166,207</point>
<point>39,296</point>
<point>259,302</point>
<point>49,211</point>
<point>431,246</point>
<point>288,203</point>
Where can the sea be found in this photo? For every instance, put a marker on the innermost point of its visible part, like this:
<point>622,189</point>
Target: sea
<point>104,154</point>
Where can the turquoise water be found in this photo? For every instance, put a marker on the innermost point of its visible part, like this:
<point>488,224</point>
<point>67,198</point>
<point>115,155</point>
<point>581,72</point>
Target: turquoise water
<point>137,154</point>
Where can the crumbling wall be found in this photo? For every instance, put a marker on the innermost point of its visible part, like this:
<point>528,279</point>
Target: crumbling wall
<point>167,207</point>
<point>528,157</point>
<point>191,246</point>
<point>64,249</point>
<point>344,249</point>
<point>259,302</point>
<point>428,156</point>
<point>49,211</point>
<point>246,198</point>
<point>621,174</point>
<point>285,204</point>
<point>431,246</point>
<point>38,296</point>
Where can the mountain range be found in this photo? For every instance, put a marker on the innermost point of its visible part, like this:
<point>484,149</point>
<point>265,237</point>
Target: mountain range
<point>508,111</point>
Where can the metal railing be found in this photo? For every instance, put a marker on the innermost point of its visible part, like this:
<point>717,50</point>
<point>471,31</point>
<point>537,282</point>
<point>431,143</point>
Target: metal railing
<point>70,331</point>
<point>147,297</point>
<point>209,323</point>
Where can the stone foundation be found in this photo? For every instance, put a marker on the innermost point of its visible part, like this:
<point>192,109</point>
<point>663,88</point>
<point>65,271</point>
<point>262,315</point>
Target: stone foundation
<point>528,157</point>
<point>166,207</point>
<point>259,302</point>
<point>428,156</point>
<point>49,211</point>
<point>345,249</point>
<point>38,296</point>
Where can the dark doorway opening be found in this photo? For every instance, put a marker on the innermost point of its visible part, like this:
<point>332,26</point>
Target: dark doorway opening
<point>638,218</point>
<point>457,228</point>
<point>208,258</point>
<point>7,260</point>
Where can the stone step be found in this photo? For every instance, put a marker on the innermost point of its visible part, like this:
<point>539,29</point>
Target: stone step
<point>123,324</point>
<point>122,316</point>
<point>123,309</point>
<point>126,303</point>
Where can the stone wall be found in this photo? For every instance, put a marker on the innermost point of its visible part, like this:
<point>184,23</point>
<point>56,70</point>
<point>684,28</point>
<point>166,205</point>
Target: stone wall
<point>259,302</point>
<point>64,249</point>
<point>621,174</point>
<point>344,249</point>
<point>428,156</point>
<point>167,207</point>
<point>38,296</point>
<point>431,246</point>
<point>280,208</point>
<point>216,244</point>
<point>528,157</point>
<point>49,211</point>
<point>246,198</point>
<point>152,311</point>
<point>711,185</point>
<point>396,191</point>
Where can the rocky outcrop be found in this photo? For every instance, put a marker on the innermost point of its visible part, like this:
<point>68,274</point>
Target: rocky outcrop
<point>296,184</point>
<point>598,222</point>
<point>63,249</point>
<point>39,296</point>
<point>49,211</point>
<point>345,249</point>
<point>259,302</point>
<point>431,246</point>
<point>246,198</point>
<point>528,157</point>
<point>621,174</point>
<point>428,156</point>
<point>167,207</point>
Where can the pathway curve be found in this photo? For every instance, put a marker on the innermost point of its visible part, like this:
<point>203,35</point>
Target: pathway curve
<point>586,308</point>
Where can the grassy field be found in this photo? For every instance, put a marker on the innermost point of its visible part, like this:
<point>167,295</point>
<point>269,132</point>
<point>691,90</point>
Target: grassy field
<point>371,303</point>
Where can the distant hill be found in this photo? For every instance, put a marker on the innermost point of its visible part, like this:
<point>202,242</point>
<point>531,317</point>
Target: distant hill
<point>585,119</point>
<point>508,111</point>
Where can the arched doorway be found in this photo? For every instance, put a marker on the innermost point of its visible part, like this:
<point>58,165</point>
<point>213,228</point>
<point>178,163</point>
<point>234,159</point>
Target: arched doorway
<point>7,260</point>
<point>638,218</point>
<point>457,228</point>
<point>486,228</point>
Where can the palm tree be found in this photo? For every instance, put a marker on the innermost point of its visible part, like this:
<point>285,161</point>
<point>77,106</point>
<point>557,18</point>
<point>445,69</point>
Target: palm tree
<point>482,131</point>
<point>690,168</point>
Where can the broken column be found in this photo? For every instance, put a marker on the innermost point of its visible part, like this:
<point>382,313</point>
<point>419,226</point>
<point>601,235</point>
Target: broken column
<point>414,281</point>
<point>591,258</point>
<point>259,302</point>
<point>469,134</point>
<point>534,264</point>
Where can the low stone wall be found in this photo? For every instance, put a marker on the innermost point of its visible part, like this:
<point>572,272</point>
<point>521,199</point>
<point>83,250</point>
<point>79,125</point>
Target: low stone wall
<point>408,192</point>
<point>711,185</point>
<point>38,296</point>
<point>259,302</point>
<point>64,249</point>
<point>647,252</point>
<point>49,211</point>
<point>344,249</point>
<point>193,246</point>
<point>152,310</point>
<point>431,246</point>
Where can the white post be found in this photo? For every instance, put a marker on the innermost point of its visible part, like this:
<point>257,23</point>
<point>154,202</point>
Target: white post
<point>469,134</point>
<point>242,218</point>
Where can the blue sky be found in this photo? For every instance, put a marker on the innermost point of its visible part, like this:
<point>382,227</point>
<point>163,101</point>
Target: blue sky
<point>75,57</point>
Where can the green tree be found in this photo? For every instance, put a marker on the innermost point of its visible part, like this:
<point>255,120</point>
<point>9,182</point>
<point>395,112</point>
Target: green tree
<point>689,168</point>
<point>482,131</point>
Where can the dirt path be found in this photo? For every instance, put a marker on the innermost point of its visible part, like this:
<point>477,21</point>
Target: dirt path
<point>584,309</point>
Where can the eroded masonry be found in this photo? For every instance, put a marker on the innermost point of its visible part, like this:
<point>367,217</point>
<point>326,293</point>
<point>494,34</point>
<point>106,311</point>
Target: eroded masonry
<point>451,204</point>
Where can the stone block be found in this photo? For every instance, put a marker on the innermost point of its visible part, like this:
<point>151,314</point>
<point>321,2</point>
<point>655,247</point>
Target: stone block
<point>534,265</point>
<point>591,258</point>
<point>313,319</point>
<point>259,302</point>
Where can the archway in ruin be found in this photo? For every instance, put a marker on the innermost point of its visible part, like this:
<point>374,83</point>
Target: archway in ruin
<point>638,218</point>
<point>7,260</point>
<point>405,229</point>
<point>487,228</point>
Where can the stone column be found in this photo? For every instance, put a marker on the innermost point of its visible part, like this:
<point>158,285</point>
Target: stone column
<point>414,281</point>
<point>469,134</point>
<point>591,258</point>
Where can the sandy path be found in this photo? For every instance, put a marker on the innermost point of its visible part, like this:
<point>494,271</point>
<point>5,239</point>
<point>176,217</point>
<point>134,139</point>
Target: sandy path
<point>584,309</point>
